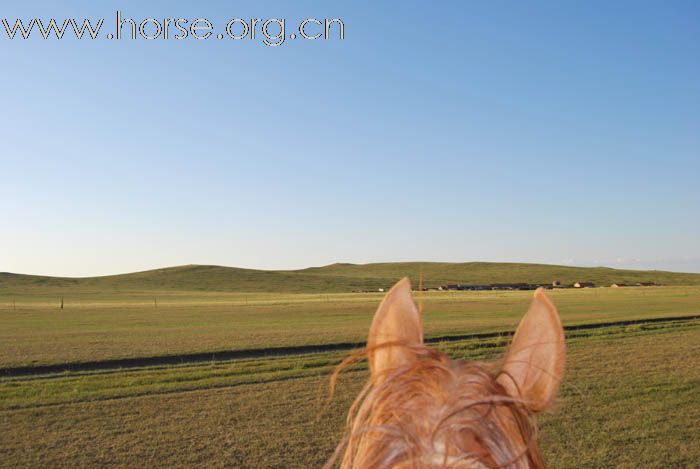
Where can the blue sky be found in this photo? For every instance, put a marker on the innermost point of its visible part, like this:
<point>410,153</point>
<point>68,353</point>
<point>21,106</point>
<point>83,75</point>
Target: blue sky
<point>546,131</point>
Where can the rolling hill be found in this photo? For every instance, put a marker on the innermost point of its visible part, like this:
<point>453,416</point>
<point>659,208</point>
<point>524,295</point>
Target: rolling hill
<point>335,277</point>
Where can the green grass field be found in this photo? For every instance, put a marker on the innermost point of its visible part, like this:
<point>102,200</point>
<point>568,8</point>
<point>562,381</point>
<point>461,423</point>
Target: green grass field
<point>335,278</point>
<point>111,325</point>
<point>629,399</point>
<point>629,396</point>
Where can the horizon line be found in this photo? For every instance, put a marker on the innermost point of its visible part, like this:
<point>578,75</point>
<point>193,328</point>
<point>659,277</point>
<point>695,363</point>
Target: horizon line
<point>170,267</point>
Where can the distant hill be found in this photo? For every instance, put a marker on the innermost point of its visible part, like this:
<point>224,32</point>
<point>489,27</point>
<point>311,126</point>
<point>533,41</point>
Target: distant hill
<point>337,277</point>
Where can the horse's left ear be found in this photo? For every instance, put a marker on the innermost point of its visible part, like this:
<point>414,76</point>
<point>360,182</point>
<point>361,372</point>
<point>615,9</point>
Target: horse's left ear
<point>396,323</point>
<point>535,362</point>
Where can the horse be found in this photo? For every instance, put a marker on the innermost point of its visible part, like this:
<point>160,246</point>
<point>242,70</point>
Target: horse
<point>421,409</point>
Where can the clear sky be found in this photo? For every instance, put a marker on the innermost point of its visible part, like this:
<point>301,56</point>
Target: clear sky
<point>544,131</point>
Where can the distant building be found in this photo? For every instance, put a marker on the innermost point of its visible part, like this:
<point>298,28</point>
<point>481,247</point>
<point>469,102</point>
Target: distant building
<point>513,286</point>
<point>491,286</point>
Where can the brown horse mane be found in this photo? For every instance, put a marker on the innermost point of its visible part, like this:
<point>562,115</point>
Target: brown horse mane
<point>468,418</point>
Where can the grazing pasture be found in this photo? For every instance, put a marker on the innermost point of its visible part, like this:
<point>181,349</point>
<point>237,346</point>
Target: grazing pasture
<point>335,278</point>
<point>138,324</point>
<point>629,397</point>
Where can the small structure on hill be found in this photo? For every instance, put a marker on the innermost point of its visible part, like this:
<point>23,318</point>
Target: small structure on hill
<point>490,286</point>
<point>638,284</point>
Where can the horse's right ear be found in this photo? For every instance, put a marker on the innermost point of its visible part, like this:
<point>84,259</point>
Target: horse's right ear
<point>396,323</point>
<point>535,362</point>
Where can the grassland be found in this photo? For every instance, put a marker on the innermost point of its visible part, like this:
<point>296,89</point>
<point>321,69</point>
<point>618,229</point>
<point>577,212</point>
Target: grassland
<point>629,397</point>
<point>107,326</point>
<point>335,278</point>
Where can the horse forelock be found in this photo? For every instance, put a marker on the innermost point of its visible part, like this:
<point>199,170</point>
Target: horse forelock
<point>439,412</point>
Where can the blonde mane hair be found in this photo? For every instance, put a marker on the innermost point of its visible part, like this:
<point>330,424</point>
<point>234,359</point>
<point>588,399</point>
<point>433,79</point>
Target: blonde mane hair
<point>421,409</point>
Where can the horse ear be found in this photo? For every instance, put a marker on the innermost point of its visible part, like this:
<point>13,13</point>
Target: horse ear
<point>397,321</point>
<point>534,364</point>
